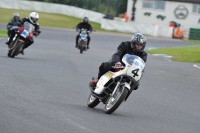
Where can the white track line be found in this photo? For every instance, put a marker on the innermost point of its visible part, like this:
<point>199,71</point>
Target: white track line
<point>196,66</point>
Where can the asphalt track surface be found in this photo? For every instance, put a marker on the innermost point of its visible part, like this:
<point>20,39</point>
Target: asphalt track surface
<point>45,91</point>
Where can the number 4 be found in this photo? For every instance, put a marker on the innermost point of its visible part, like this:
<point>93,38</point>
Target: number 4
<point>135,72</point>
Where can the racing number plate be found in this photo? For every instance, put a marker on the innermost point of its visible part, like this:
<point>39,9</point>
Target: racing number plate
<point>24,33</point>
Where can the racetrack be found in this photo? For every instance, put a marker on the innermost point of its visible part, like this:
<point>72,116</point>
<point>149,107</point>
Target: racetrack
<point>46,90</point>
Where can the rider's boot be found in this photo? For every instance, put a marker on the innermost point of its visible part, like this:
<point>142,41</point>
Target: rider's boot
<point>12,34</point>
<point>93,82</point>
<point>22,52</point>
<point>8,43</point>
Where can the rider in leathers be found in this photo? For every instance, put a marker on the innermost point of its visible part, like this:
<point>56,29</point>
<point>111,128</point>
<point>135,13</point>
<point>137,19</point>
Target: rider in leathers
<point>84,25</point>
<point>33,18</point>
<point>15,21</point>
<point>135,47</point>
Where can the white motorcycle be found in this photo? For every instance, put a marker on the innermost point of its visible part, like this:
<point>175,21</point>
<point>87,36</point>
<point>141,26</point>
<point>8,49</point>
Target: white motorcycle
<point>115,87</point>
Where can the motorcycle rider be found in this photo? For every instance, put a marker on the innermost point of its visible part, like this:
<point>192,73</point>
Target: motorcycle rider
<point>84,25</point>
<point>33,19</point>
<point>135,47</point>
<point>15,21</point>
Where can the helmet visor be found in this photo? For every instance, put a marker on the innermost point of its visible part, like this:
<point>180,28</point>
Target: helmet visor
<point>16,18</point>
<point>139,46</point>
<point>34,20</point>
<point>85,20</point>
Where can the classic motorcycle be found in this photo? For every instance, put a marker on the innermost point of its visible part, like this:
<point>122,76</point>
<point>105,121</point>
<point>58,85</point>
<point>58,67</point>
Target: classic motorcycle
<point>83,40</point>
<point>114,87</point>
<point>23,33</point>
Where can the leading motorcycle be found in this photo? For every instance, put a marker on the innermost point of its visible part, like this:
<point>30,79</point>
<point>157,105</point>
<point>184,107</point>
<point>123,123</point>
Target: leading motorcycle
<point>26,31</point>
<point>114,87</point>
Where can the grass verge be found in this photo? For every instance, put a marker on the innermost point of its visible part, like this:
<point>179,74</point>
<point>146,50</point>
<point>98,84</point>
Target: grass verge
<point>50,19</point>
<point>182,54</point>
<point>3,33</point>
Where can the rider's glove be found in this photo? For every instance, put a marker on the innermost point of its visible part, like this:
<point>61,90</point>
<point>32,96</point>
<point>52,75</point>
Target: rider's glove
<point>118,64</point>
<point>35,34</point>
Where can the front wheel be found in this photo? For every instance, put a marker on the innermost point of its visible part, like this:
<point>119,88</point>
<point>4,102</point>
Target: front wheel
<point>92,101</point>
<point>114,101</point>
<point>81,47</point>
<point>10,48</point>
<point>15,51</point>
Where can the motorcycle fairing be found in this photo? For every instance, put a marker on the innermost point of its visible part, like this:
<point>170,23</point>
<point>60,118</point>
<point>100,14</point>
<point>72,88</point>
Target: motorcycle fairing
<point>105,78</point>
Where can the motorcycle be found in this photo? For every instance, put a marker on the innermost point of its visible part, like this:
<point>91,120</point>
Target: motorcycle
<point>114,87</point>
<point>83,40</point>
<point>23,33</point>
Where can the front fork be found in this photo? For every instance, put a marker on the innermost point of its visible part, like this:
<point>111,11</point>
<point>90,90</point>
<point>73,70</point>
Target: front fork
<point>116,87</point>
<point>127,85</point>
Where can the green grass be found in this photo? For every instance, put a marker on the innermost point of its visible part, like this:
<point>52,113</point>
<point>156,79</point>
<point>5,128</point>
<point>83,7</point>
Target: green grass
<point>182,54</point>
<point>3,33</point>
<point>49,19</point>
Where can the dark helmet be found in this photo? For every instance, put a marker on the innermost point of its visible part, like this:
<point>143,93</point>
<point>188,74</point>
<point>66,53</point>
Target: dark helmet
<point>85,19</point>
<point>16,16</point>
<point>140,40</point>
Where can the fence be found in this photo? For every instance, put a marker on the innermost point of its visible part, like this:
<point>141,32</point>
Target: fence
<point>194,34</point>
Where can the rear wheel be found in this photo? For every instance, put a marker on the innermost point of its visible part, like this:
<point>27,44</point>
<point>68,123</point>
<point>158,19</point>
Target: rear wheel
<point>15,51</point>
<point>114,101</point>
<point>92,101</point>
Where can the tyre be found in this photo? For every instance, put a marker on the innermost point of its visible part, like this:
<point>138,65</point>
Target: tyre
<point>9,52</point>
<point>15,51</point>
<point>114,101</point>
<point>81,47</point>
<point>10,48</point>
<point>92,101</point>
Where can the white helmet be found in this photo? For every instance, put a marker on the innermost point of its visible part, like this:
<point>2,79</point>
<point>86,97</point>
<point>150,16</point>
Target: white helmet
<point>33,17</point>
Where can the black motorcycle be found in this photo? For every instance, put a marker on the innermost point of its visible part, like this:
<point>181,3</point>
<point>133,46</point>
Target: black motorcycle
<point>83,40</point>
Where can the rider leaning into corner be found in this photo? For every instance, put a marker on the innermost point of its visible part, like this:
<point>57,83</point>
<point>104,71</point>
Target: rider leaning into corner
<point>84,25</point>
<point>15,21</point>
<point>33,19</point>
<point>135,47</point>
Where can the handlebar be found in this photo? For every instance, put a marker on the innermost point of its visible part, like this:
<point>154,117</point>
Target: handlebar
<point>118,67</point>
<point>88,31</point>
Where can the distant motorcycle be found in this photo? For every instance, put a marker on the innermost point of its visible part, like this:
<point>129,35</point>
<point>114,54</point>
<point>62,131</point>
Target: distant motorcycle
<point>83,40</point>
<point>115,87</point>
<point>23,33</point>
